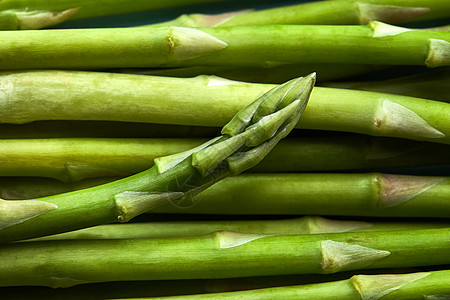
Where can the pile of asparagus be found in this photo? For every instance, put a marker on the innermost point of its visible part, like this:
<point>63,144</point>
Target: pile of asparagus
<point>178,127</point>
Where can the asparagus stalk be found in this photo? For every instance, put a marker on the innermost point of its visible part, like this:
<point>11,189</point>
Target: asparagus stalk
<point>268,74</point>
<point>183,46</point>
<point>74,159</point>
<point>346,12</point>
<point>246,139</point>
<point>36,14</point>
<point>420,285</point>
<point>325,194</point>
<point>133,98</point>
<point>295,226</point>
<point>220,255</point>
<point>430,85</point>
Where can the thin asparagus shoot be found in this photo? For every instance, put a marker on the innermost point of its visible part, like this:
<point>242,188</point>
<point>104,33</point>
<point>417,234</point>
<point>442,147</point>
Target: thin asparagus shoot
<point>418,285</point>
<point>246,139</point>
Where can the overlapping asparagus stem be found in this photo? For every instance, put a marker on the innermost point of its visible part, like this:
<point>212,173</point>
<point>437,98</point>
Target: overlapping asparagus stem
<point>423,285</point>
<point>41,95</point>
<point>183,46</point>
<point>246,139</point>
<point>77,159</point>
<point>36,14</point>
<point>325,194</point>
<point>325,12</point>
<point>430,85</point>
<point>220,255</point>
<point>296,226</point>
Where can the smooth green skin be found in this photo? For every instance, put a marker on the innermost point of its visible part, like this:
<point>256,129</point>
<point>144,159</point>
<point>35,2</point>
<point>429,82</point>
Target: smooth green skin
<point>67,95</point>
<point>87,8</point>
<point>162,47</point>
<point>296,226</point>
<point>66,263</point>
<point>342,12</point>
<point>433,85</point>
<point>270,74</point>
<point>316,194</point>
<point>437,283</point>
<point>71,160</point>
<point>97,205</point>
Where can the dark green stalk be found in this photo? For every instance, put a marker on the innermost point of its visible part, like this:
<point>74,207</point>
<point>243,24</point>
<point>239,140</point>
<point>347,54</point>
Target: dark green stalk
<point>343,12</point>
<point>424,285</point>
<point>220,255</point>
<point>36,14</point>
<point>246,139</point>
<point>295,226</point>
<point>325,194</point>
<point>432,85</point>
<point>77,159</point>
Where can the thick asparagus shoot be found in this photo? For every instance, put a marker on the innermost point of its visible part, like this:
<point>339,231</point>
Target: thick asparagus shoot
<point>246,139</point>
<point>220,255</point>
<point>381,44</point>
<point>209,101</point>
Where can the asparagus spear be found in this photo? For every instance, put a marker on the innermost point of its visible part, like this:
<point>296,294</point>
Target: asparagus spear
<point>295,226</point>
<point>134,98</point>
<point>220,255</point>
<point>36,14</point>
<point>77,159</point>
<point>420,285</point>
<point>325,194</point>
<point>183,46</point>
<point>246,139</point>
<point>344,12</point>
<point>430,85</point>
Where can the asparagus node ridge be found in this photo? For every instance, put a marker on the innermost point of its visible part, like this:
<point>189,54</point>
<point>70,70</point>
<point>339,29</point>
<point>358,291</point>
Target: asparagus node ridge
<point>374,287</point>
<point>36,19</point>
<point>438,53</point>
<point>397,189</point>
<point>338,256</point>
<point>388,13</point>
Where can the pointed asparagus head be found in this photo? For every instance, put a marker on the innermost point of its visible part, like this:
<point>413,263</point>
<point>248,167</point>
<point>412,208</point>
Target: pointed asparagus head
<point>257,128</point>
<point>246,140</point>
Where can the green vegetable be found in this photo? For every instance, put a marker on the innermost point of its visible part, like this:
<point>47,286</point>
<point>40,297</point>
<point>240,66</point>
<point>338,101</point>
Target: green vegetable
<point>246,139</point>
<point>36,14</point>
<point>209,101</point>
<point>430,85</point>
<point>220,255</point>
<point>184,46</point>
<point>74,159</point>
<point>295,226</point>
<point>421,285</point>
<point>325,194</point>
<point>343,12</point>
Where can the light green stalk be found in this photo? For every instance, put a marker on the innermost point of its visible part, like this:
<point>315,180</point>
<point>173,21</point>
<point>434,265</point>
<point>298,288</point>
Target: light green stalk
<point>220,255</point>
<point>325,194</point>
<point>246,139</point>
<point>433,285</point>
<point>81,158</point>
<point>184,46</point>
<point>343,12</point>
<point>296,226</point>
<point>208,101</point>
<point>430,85</point>
<point>36,14</point>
